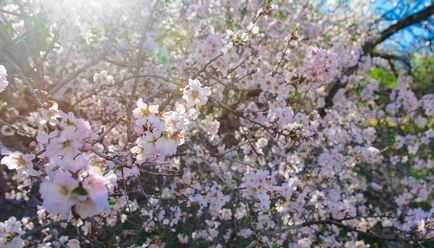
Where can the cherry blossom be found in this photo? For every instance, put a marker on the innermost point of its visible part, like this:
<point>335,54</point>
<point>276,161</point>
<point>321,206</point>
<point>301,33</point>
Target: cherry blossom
<point>58,193</point>
<point>215,124</point>
<point>3,81</point>
<point>194,94</point>
<point>20,162</point>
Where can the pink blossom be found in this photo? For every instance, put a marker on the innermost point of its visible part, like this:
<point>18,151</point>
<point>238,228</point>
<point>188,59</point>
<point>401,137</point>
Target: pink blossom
<point>3,81</point>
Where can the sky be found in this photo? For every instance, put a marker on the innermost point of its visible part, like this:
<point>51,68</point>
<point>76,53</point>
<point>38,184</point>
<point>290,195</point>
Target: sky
<point>409,38</point>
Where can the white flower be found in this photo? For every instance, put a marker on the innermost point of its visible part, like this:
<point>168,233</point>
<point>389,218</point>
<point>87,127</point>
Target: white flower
<point>183,239</point>
<point>150,126</point>
<point>73,243</point>
<point>138,150</point>
<point>3,82</point>
<point>195,94</point>
<point>252,29</point>
<point>245,233</point>
<point>226,49</point>
<point>95,201</point>
<point>63,192</point>
<point>75,164</point>
<point>50,115</point>
<point>10,233</point>
<point>150,147</point>
<point>42,138</point>
<point>175,121</point>
<point>103,78</point>
<point>66,144</point>
<point>16,242</point>
<point>12,225</point>
<point>57,193</point>
<point>166,146</point>
<point>147,119</point>
<point>145,147</point>
<point>144,110</point>
<point>20,162</point>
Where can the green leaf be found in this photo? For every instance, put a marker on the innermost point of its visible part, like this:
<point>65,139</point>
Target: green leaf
<point>79,191</point>
<point>275,245</point>
<point>8,28</point>
<point>392,138</point>
<point>408,128</point>
<point>418,174</point>
<point>94,31</point>
<point>387,79</point>
<point>423,76</point>
<point>345,152</point>
<point>112,202</point>
<point>293,97</point>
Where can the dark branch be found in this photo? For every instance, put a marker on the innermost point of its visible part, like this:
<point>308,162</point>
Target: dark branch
<point>401,24</point>
<point>368,48</point>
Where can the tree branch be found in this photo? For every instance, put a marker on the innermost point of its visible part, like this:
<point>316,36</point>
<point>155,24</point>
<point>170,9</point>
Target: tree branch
<point>369,46</point>
<point>401,24</point>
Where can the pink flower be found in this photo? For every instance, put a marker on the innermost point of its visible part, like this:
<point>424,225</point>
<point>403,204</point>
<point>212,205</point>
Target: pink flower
<point>320,65</point>
<point>50,115</point>
<point>73,243</point>
<point>67,144</point>
<point>57,193</point>
<point>145,147</point>
<point>3,81</point>
<point>20,162</point>
<point>75,164</point>
<point>145,111</point>
<point>194,94</point>
<point>166,146</point>
<point>96,200</point>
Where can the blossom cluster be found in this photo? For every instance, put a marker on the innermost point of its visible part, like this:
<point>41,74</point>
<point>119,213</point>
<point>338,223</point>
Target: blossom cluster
<point>218,124</point>
<point>320,66</point>
<point>161,133</point>
<point>72,184</point>
<point>10,233</point>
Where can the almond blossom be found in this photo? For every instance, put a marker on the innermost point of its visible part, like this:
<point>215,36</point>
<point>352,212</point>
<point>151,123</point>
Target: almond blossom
<point>93,198</point>
<point>216,124</point>
<point>194,94</point>
<point>3,81</point>
<point>10,232</point>
<point>20,162</point>
<point>58,193</point>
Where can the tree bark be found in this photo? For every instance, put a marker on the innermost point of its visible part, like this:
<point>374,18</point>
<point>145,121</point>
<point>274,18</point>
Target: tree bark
<point>369,46</point>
